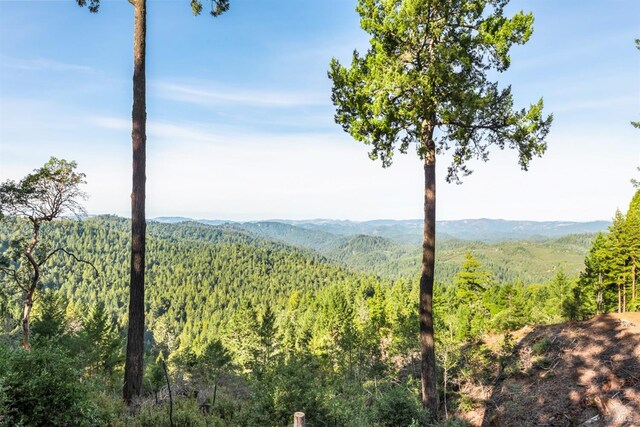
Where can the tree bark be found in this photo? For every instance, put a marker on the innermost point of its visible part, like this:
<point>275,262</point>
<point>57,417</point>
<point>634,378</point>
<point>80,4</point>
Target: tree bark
<point>633,282</point>
<point>599,298</point>
<point>28,298</point>
<point>427,350</point>
<point>215,391</point>
<point>26,319</point>
<point>619,298</point>
<point>135,336</point>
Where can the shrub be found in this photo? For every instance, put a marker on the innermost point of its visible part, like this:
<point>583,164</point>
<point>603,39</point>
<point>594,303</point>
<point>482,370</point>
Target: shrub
<point>541,347</point>
<point>466,403</point>
<point>398,407</point>
<point>42,387</point>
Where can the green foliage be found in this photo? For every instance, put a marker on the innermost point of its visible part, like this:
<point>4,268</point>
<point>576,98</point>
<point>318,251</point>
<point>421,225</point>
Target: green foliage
<point>266,336</point>
<point>427,67</point>
<point>103,344</point>
<point>153,378</point>
<point>50,324</point>
<point>397,406</point>
<point>471,279</point>
<point>609,280</point>
<point>218,7</point>
<point>214,359</point>
<point>452,423</point>
<point>289,387</point>
<point>43,387</point>
<point>466,403</point>
<point>45,194</point>
<point>185,414</point>
<point>274,329</point>
<point>541,346</point>
<point>202,369</point>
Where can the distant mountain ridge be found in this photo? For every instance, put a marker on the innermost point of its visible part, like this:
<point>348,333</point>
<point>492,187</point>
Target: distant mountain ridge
<point>525,251</point>
<point>410,231</point>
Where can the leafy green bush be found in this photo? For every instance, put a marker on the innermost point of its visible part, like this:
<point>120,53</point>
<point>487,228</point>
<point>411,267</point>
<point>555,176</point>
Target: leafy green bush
<point>42,387</point>
<point>398,407</point>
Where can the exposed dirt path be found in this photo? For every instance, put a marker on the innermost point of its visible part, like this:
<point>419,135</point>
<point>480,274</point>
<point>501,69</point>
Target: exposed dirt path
<point>571,374</point>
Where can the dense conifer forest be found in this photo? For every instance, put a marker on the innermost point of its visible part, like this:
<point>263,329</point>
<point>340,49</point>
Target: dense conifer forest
<point>252,329</point>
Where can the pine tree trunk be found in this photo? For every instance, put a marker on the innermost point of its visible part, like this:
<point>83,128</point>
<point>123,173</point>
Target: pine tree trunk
<point>633,282</point>
<point>619,298</point>
<point>215,391</point>
<point>427,351</point>
<point>599,299</point>
<point>135,337</point>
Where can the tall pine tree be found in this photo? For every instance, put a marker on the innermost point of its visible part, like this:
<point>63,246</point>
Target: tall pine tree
<point>135,336</point>
<point>424,82</point>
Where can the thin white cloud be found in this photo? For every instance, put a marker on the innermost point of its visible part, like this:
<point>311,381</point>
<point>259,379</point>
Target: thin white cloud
<point>41,64</point>
<point>597,104</point>
<point>112,123</point>
<point>168,132</point>
<point>209,96</point>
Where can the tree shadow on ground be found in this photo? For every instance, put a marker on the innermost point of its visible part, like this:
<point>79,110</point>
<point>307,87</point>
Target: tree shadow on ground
<point>573,374</point>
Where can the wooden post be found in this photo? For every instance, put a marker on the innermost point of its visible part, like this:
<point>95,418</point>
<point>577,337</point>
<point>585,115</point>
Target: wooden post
<point>298,419</point>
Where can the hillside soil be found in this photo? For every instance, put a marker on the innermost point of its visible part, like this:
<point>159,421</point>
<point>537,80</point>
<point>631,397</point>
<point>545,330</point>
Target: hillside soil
<point>572,374</point>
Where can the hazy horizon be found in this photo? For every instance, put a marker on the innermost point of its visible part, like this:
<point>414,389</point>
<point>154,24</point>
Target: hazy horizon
<point>311,219</point>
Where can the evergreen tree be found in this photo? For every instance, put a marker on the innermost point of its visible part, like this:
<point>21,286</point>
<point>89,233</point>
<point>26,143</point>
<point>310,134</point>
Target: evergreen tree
<point>619,258</point>
<point>267,336</point>
<point>424,81</point>
<point>242,337</point>
<point>214,360</point>
<point>50,324</point>
<point>632,230</point>
<point>103,344</point>
<point>135,337</point>
<point>592,279</point>
<point>154,376</point>
<point>471,280</point>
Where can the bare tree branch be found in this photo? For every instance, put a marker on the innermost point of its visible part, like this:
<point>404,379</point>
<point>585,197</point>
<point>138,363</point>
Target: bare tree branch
<point>72,255</point>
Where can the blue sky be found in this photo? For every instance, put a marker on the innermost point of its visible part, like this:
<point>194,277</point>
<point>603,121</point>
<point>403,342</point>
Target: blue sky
<point>240,122</point>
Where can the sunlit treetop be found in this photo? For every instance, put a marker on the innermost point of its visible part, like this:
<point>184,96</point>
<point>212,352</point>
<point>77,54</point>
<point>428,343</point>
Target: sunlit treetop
<point>425,78</point>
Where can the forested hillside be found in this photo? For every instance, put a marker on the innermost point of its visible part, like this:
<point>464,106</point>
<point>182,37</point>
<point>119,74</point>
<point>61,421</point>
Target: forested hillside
<point>534,261</point>
<point>275,316</point>
<point>197,272</point>
<point>408,231</point>
<point>528,261</point>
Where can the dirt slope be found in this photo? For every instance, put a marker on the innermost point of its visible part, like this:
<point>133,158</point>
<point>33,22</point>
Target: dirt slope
<point>571,374</point>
